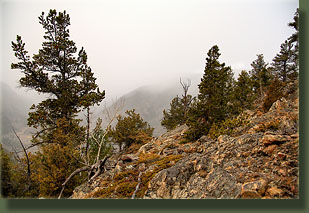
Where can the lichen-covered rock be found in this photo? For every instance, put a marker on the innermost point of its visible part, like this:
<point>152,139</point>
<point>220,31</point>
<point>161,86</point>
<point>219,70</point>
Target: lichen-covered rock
<point>273,139</point>
<point>254,189</point>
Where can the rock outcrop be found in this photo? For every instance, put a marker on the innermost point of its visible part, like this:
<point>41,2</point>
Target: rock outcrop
<point>260,161</point>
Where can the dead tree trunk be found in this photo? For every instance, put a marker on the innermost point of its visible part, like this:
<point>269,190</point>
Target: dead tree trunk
<point>93,171</point>
<point>27,159</point>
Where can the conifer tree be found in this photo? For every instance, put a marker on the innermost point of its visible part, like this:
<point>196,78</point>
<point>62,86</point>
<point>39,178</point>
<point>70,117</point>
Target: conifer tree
<point>214,95</point>
<point>260,74</point>
<point>58,72</point>
<point>179,107</point>
<point>129,129</point>
<point>175,115</point>
<point>283,65</point>
<point>61,72</point>
<point>243,92</point>
<point>294,40</point>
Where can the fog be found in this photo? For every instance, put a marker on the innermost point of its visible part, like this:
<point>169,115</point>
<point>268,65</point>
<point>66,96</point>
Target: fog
<point>132,43</point>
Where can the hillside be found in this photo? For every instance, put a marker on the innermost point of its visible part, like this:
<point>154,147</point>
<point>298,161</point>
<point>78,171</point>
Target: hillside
<point>150,101</point>
<point>258,160</point>
<point>14,113</point>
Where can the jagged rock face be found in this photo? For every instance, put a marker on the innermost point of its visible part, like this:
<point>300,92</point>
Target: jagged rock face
<point>260,162</point>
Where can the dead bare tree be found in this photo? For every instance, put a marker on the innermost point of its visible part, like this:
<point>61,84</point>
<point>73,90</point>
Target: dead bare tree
<point>88,114</point>
<point>97,167</point>
<point>27,158</point>
<point>187,99</point>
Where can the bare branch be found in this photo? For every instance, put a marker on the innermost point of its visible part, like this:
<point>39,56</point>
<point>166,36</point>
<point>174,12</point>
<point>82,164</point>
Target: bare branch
<point>187,102</point>
<point>16,156</point>
<point>85,168</point>
<point>26,154</point>
<point>111,113</point>
<point>185,86</point>
<point>95,168</point>
<point>87,134</point>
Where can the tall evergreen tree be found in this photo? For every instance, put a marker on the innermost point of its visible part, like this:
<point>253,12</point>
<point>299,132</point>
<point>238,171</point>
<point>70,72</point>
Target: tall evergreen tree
<point>58,72</point>
<point>294,40</point>
<point>214,95</point>
<point>243,92</point>
<point>283,65</point>
<point>62,73</point>
<point>260,74</point>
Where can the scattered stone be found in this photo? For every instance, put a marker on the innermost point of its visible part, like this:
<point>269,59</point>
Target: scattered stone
<point>274,139</point>
<point>274,192</point>
<point>254,189</point>
<point>269,149</point>
<point>250,195</point>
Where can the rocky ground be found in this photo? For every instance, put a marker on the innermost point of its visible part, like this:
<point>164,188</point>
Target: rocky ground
<point>259,160</point>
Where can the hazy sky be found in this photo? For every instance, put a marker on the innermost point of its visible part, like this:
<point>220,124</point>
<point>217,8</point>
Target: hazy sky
<point>131,43</point>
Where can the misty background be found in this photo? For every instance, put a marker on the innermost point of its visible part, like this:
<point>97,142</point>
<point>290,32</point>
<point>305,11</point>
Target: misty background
<point>138,49</point>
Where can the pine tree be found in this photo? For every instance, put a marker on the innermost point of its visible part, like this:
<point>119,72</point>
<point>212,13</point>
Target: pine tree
<point>294,40</point>
<point>62,73</point>
<point>243,92</point>
<point>58,72</point>
<point>213,103</point>
<point>129,129</point>
<point>260,74</point>
<point>283,65</point>
<point>179,107</point>
<point>175,115</point>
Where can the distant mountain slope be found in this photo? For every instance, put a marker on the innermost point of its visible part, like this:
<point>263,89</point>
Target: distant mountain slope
<point>14,113</point>
<point>150,101</point>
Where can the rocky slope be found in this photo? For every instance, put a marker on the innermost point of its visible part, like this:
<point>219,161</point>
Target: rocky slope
<point>259,160</point>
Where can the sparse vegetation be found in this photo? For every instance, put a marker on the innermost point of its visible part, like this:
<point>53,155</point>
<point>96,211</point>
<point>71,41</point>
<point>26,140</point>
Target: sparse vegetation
<point>228,126</point>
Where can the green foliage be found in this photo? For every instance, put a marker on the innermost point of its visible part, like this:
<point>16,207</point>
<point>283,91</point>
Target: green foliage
<point>215,91</point>
<point>176,114</point>
<point>243,94</point>
<point>294,39</point>
<point>260,74</point>
<point>58,72</point>
<point>6,184</point>
<point>228,126</point>
<point>283,64</point>
<point>131,129</point>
